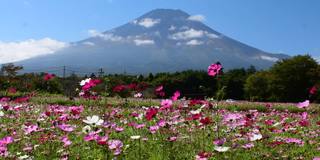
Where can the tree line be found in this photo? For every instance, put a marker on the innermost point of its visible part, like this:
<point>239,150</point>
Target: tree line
<point>289,80</point>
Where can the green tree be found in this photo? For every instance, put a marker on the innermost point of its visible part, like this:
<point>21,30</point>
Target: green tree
<point>293,77</point>
<point>257,86</point>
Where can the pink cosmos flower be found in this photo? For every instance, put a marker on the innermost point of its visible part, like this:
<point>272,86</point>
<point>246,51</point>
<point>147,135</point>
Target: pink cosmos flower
<point>175,96</point>
<point>48,76</point>
<point>153,129</point>
<point>102,140</point>
<point>76,110</point>
<point>115,146</point>
<point>162,123</point>
<point>203,156</point>
<point>31,128</point>
<point>219,142</point>
<point>66,127</point>
<point>304,104</point>
<point>66,141</point>
<point>6,140</point>
<point>159,88</point>
<point>165,104</point>
<point>214,69</point>
<point>294,140</point>
<point>248,146</point>
<point>91,136</point>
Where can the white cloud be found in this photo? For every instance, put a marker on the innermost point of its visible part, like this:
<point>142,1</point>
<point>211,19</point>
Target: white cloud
<point>17,51</point>
<point>105,36</point>
<point>198,17</point>
<point>188,34</point>
<point>213,36</point>
<point>140,42</point>
<point>172,28</point>
<point>191,33</point>
<point>273,59</point>
<point>147,22</point>
<point>88,43</point>
<point>194,42</point>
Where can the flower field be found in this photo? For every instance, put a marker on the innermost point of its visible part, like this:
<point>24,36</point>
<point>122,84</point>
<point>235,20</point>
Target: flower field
<point>47,126</point>
<point>194,129</point>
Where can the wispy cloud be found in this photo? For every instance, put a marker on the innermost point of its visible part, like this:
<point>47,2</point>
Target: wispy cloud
<point>198,17</point>
<point>140,42</point>
<point>105,36</point>
<point>194,42</point>
<point>147,22</point>
<point>16,51</point>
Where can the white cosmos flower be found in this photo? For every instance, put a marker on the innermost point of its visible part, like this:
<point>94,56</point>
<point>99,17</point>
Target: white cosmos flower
<point>221,148</point>
<point>135,137</point>
<point>1,114</point>
<point>83,82</point>
<point>86,129</point>
<point>94,120</point>
<point>255,136</point>
<point>195,111</point>
<point>23,157</point>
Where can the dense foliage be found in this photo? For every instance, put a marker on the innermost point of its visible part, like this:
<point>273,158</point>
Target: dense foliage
<point>287,81</point>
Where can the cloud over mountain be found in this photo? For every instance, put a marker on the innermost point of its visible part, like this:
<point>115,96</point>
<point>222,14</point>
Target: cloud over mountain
<point>16,51</point>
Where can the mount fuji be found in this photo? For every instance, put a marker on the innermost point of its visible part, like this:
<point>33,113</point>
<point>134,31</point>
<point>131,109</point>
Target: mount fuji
<point>162,40</point>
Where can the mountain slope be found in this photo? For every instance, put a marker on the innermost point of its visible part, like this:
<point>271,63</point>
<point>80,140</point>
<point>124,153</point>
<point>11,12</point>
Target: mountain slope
<point>162,40</point>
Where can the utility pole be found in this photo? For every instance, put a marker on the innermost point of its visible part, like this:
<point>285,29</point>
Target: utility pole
<point>101,72</point>
<point>64,71</point>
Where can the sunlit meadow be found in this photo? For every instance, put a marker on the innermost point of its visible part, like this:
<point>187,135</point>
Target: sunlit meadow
<point>96,127</point>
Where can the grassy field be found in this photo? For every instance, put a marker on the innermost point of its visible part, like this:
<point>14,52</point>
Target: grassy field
<point>55,127</point>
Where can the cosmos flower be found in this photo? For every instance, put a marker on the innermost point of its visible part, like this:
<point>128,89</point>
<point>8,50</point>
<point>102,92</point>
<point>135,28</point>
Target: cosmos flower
<point>135,137</point>
<point>214,69</point>
<point>221,148</point>
<point>83,82</point>
<point>175,96</point>
<point>165,104</point>
<point>86,129</point>
<point>115,146</point>
<point>313,90</point>
<point>66,127</point>
<point>304,104</point>
<point>94,120</point>
<point>150,113</point>
<point>29,129</point>
<point>66,141</point>
<point>255,136</point>
<point>48,76</point>
<point>138,95</point>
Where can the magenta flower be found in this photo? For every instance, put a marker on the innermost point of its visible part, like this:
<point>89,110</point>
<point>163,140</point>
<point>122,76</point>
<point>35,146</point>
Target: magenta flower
<point>151,112</point>
<point>175,96</point>
<point>6,140</point>
<point>313,90</point>
<point>48,76</point>
<point>102,140</point>
<point>165,104</point>
<point>214,69</point>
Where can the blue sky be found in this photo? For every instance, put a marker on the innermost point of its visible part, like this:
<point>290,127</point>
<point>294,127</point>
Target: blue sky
<point>287,26</point>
